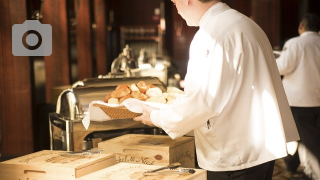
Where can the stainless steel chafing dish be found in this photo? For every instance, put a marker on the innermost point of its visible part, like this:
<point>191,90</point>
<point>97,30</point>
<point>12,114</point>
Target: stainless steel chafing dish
<point>66,129</point>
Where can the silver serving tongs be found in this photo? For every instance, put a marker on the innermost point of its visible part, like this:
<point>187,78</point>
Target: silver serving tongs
<point>186,171</point>
<point>87,152</point>
<point>170,166</point>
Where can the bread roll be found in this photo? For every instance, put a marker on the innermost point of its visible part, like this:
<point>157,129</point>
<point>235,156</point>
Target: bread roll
<point>139,95</point>
<point>157,99</point>
<point>174,90</point>
<point>107,97</point>
<point>113,101</point>
<point>165,94</point>
<point>154,92</point>
<point>133,87</point>
<point>142,86</point>
<point>124,98</point>
<point>171,96</point>
<point>121,86</point>
<point>119,93</point>
<point>151,86</point>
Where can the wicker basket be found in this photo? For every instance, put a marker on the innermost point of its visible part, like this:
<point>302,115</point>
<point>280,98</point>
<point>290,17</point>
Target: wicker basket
<point>120,112</point>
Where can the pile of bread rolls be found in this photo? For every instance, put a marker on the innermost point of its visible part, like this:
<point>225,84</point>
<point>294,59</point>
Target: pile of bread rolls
<point>143,92</point>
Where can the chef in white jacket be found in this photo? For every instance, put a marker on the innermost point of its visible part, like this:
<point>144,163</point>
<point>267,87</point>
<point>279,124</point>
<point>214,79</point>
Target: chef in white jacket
<point>234,100</point>
<point>299,63</point>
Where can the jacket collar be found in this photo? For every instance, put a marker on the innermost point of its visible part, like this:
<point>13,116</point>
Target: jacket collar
<point>308,33</point>
<point>213,11</point>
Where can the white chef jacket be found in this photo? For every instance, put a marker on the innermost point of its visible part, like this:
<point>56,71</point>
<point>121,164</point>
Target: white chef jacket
<point>299,62</point>
<point>234,99</point>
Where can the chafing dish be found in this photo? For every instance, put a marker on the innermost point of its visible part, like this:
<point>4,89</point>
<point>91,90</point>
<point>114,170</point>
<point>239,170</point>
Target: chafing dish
<point>66,129</point>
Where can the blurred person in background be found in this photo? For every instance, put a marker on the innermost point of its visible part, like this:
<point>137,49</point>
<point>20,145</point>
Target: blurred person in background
<point>299,63</point>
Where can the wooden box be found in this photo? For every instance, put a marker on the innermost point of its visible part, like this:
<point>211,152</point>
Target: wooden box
<point>54,165</point>
<point>129,171</point>
<point>151,149</point>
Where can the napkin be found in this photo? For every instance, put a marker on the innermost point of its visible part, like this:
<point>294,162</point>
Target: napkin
<point>132,104</point>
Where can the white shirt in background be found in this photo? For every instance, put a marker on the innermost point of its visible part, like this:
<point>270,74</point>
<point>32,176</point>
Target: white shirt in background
<point>299,62</point>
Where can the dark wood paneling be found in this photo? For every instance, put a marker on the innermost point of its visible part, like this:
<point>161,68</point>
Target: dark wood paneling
<point>266,14</point>
<point>314,6</point>
<point>181,42</point>
<point>137,12</point>
<point>168,46</point>
<point>84,41</point>
<point>243,6</point>
<point>101,36</point>
<point>291,14</point>
<point>15,86</point>
<point>289,19</point>
<point>57,67</point>
<point>113,33</point>
<point>126,13</point>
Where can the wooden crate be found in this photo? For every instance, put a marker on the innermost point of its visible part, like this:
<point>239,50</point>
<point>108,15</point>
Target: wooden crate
<point>129,171</point>
<point>54,165</point>
<point>151,149</point>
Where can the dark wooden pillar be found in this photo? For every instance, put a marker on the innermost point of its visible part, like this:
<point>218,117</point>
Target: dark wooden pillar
<point>101,36</point>
<point>84,41</point>
<point>15,86</point>
<point>57,65</point>
<point>266,13</point>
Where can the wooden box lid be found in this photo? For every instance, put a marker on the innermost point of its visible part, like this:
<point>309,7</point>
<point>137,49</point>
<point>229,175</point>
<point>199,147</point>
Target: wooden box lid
<point>49,164</point>
<point>143,141</point>
<point>130,171</point>
<point>151,149</point>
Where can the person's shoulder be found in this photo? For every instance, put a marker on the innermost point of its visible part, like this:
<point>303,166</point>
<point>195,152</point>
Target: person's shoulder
<point>313,35</point>
<point>293,40</point>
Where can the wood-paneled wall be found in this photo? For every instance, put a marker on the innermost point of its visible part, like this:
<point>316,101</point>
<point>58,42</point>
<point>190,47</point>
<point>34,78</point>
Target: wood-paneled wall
<point>136,12</point>
<point>182,36</point>
<point>84,40</point>
<point>266,14</point>
<point>243,6</point>
<point>100,15</point>
<point>57,66</point>
<point>15,86</point>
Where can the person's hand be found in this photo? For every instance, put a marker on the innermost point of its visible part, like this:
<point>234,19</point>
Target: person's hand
<point>145,117</point>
